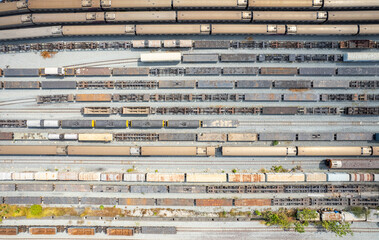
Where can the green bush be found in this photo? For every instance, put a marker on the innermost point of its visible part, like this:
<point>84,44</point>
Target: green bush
<point>279,218</point>
<point>358,211</point>
<point>299,227</point>
<point>258,213</point>
<point>36,210</point>
<point>234,170</point>
<point>340,229</point>
<point>101,207</point>
<point>274,143</point>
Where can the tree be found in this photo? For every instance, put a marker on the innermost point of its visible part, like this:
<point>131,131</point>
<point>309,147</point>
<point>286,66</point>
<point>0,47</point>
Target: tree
<point>306,215</point>
<point>299,227</point>
<point>36,210</point>
<point>279,218</point>
<point>339,228</point>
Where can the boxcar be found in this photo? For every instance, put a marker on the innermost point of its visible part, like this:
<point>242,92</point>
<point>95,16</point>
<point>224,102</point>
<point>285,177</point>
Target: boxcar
<point>136,201</point>
<point>42,230</point>
<point>175,202</point>
<point>8,230</point>
<point>80,231</point>
<point>120,231</point>
<point>213,202</point>
<point>165,177</point>
<point>252,202</point>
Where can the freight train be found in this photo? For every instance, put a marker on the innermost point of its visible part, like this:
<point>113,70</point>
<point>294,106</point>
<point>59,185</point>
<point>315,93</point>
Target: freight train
<point>33,19</point>
<point>187,29</point>
<point>189,71</point>
<point>226,151</point>
<point>186,44</point>
<point>106,5</point>
<point>200,137</point>
<point>197,84</point>
<point>191,177</point>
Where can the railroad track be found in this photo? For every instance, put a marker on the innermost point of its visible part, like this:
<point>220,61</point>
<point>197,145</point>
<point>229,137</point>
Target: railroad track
<point>17,101</point>
<point>106,62</point>
<point>308,123</point>
<point>40,110</point>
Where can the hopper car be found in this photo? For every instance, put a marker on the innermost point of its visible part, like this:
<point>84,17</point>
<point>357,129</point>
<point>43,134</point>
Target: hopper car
<point>15,7</point>
<point>72,150</point>
<point>188,29</point>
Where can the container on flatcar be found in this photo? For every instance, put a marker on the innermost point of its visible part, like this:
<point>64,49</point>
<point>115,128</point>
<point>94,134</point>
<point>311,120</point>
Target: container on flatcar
<point>95,137</point>
<point>242,137</point>
<point>146,124</point>
<point>211,137</point>
<point>177,43</point>
<point>220,123</point>
<point>202,71</point>
<point>338,177</point>
<point>240,57</point>
<point>278,71</point>
<point>21,72</point>
<point>46,176</point>
<point>299,84</point>
<point>134,177</point>
<point>111,177</point>
<point>131,71</point>
<point>5,176</point>
<point>21,84</point>
<point>120,231</point>
<point>23,176</point>
<point>246,177</point>
<point>136,201</point>
<point>315,177</point>
<point>165,177</point>
<point>177,136</point>
<point>68,176</point>
<point>285,177</point>
<point>361,177</point>
<point>80,231</point>
<point>6,135</point>
<point>42,230</point>
<point>213,202</point>
<point>198,58</point>
<point>89,176</point>
<point>279,110</point>
<point>206,177</point>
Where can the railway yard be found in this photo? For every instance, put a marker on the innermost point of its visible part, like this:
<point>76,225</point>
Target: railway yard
<point>167,119</point>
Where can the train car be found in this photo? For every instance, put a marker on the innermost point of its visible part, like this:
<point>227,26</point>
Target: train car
<point>23,176</point>
<point>135,111</point>
<point>209,4</point>
<point>22,33</point>
<point>216,16</point>
<point>206,177</point>
<point>134,177</point>
<point>175,202</point>
<point>68,176</point>
<point>280,4</point>
<point>13,7</point>
<point>112,124</point>
<point>177,136</point>
<point>21,84</point>
<point>178,151</point>
<point>120,231</point>
<point>285,177</point>
<point>247,29</point>
<point>131,71</point>
<point>88,30</point>
<point>58,5</point>
<point>353,163</point>
<point>334,151</point>
<point>6,135</point>
<point>95,137</point>
<point>89,176</point>
<point>211,137</point>
<point>353,16</point>
<point>290,16</point>
<point>42,230</point>
<point>361,177</point>
<point>252,202</point>
<point>141,16</point>
<point>132,4</point>
<point>177,43</point>
<point>245,177</point>
<point>8,230</point>
<point>16,21</point>
<point>369,29</point>
<point>278,71</point>
<point>111,177</point>
<point>32,150</point>
<point>242,137</point>
<point>183,124</point>
<point>162,29</point>
<point>93,97</point>
<point>46,176</point>
<point>78,17</point>
<point>102,150</point>
<point>96,111</point>
<point>147,124</point>
<point>258,151</point>
<point>315,177</point>
<point>80,231</point>
<point>77,123</point>
<point>322,29</point>
<point>351,4</point>
<point>136,201</point>
<point>165,177</point>
<point>58,84</point>
<point>213,202</point>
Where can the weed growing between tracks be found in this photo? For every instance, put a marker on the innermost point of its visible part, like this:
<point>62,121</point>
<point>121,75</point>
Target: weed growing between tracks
<point>34,211</point>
